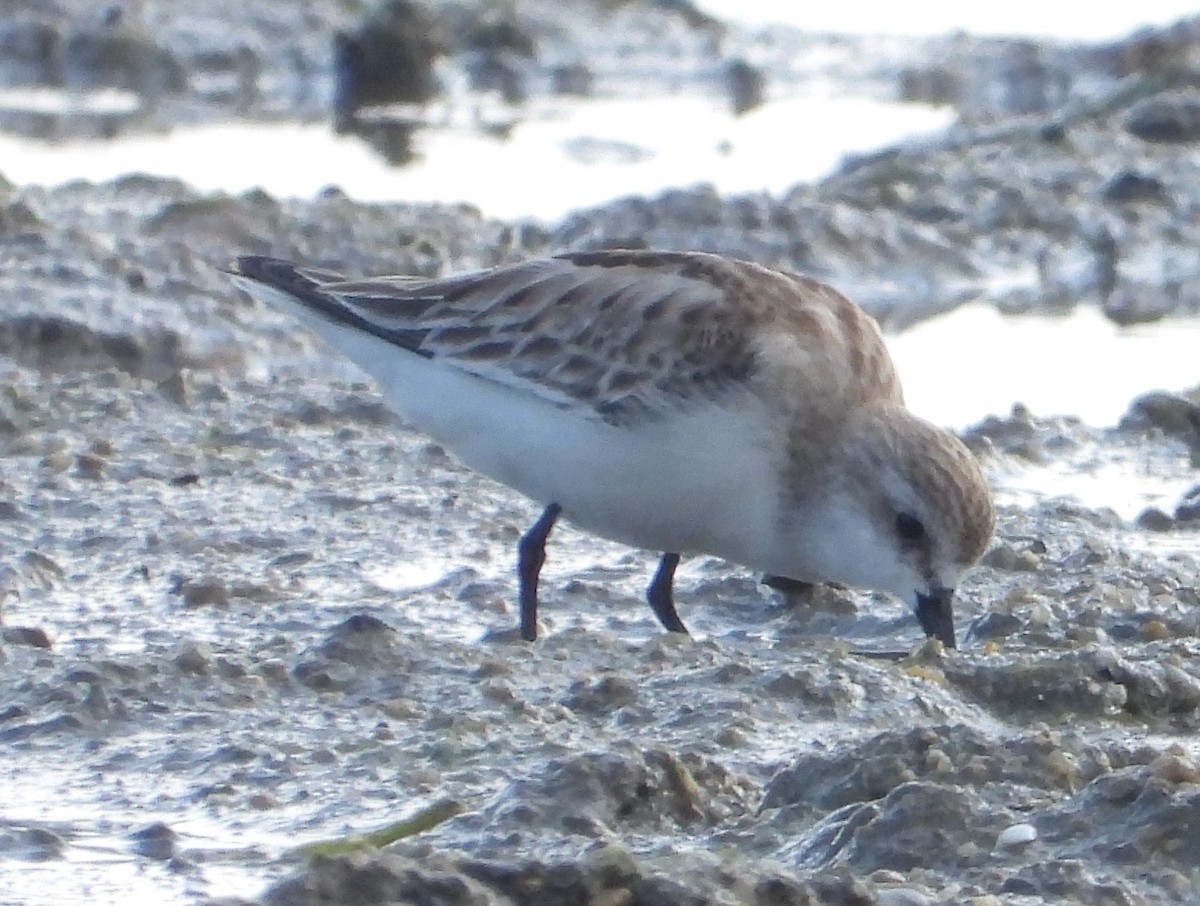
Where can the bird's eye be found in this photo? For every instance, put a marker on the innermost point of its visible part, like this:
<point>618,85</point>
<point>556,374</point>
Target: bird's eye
<point>910,528</point>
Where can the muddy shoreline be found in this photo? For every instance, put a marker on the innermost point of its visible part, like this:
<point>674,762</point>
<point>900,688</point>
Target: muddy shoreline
<point>243,610</point>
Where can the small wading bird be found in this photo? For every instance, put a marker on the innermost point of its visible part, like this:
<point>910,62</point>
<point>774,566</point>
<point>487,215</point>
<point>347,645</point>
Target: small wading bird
<point>675,401</point>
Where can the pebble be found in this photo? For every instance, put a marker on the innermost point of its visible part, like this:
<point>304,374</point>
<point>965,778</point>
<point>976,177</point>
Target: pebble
<point>902,896</point>
<point>1016,836</point>
<point>1175,769</point>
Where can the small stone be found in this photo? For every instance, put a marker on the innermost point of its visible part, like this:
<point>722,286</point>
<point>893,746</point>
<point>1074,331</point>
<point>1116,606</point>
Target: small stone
<point>90,466</point>
<point>1168,118</point>
<point>193,657</point>
<point>938,762</point>
<point>1129,187</point>
<point>1175,769</point>
<point>608,693</point>
<point>261,802</point>
<point>746,85</point>
<point>1189,508</point>
<point>30,636</point>
<point>1016,836</point>
<point>175,388</point>
<point>203,592</point>
<point>1155,520</point>
<point>901,896</point>
<point>42,844</point>
<point>1155,631</point>
<point>156,841</point>
<point>498,691</point>
<point>96,702</point>
<point>272,670</point>
<point>731,738</point>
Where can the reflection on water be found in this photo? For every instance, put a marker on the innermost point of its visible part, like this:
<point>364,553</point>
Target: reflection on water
<point>391,139</point>
<point>532,168</point>
<point>1035,18</point>
<point>975,362</point>
<point>51,114</point>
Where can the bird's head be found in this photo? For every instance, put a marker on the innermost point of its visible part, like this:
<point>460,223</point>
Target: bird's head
<point>901,507</point>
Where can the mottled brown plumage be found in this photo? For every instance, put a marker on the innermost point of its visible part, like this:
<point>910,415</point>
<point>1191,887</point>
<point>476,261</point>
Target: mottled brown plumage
<point>674,400</point>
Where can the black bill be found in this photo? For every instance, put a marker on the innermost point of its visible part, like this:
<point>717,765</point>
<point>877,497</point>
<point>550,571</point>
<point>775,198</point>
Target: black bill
<point>935,612</point>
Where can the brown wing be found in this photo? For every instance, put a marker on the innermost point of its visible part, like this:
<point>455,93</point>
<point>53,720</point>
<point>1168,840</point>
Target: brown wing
<point>624,333</point>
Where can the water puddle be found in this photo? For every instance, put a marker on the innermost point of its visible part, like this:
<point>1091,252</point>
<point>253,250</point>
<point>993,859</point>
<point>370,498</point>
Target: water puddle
<point>559,157</point>
<point>975,362</point>
<point>1104,21</point>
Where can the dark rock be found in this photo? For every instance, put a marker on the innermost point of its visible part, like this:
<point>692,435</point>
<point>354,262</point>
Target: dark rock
<point>1155,520</point>
<point>1188,509</point>
<point>1053,133</point>
<point>938,85</point>
<point>894,838</point>
<point>388,59</point>
<point>1063,685</point>
<point>1130,304</point>
<point>884,763</point>
<point>572,79</point>
<point>155,841</point>
<point>37,844</point>
<point>1019,886</point>
<point>30,636</point>
<point>746,84</point>
<point>27,52</point>
<point>118,58</point>
<point>995,626</point>
<point>17,218</point>
<point>373,877</point>
<point>1059,880</point>
<point>1151,688</point>
<point>203,592</point>
<point>660,891</point>
<point>1175,118</point>
<point>1016,435</point>
<point>392,139</point>
<point>1129,187</point>
<point>1172,413</point>
<point>600,696</point>
<point>56,345</point>
<point>357,639</point>
<point>62,723</point>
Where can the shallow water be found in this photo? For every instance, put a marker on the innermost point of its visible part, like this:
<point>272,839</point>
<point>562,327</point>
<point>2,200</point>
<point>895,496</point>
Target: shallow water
<point>1029,18</point>
<point>975,361</point>
<point>557,158</point>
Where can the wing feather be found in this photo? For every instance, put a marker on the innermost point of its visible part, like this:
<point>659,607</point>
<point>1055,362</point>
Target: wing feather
<point>624,334</point>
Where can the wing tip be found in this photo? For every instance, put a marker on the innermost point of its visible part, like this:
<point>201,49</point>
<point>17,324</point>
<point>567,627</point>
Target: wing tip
<point>261,268</point>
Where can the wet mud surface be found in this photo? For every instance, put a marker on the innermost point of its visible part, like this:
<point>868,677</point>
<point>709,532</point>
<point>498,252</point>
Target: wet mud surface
<point>244,611</point>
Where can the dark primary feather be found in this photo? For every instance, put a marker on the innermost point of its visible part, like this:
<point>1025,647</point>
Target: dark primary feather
<point>307,285</point>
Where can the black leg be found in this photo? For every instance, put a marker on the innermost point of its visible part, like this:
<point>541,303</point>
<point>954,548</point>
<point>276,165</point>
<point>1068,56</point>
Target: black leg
<point>661,597</point>
<point>531,554</point>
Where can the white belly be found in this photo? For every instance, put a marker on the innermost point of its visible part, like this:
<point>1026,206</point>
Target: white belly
<point>700,482</point>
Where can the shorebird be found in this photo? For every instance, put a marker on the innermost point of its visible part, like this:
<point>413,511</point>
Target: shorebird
<point>680,402</point>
